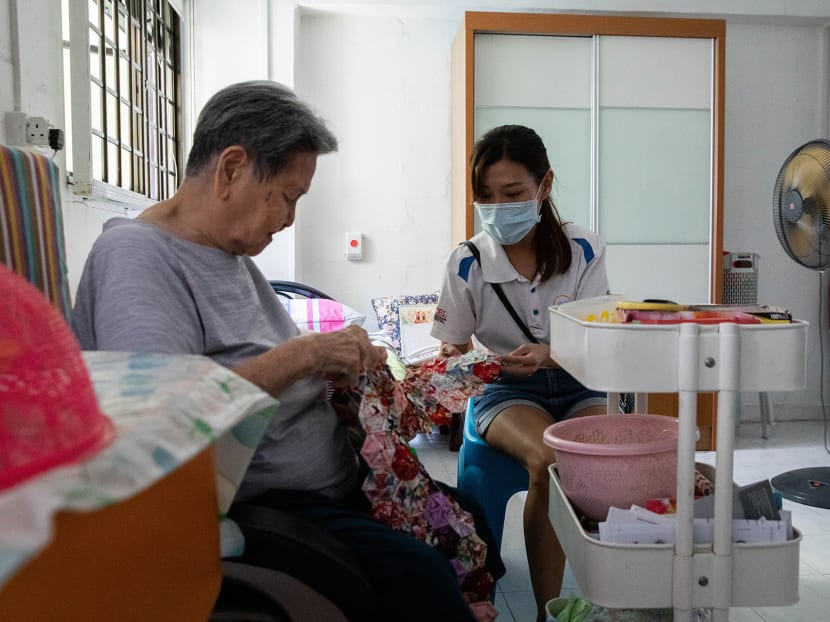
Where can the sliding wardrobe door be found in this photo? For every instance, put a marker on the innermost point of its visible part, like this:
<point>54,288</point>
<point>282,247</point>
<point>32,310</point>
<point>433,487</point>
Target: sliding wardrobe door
<point>543,82</point>
<point>627,122</point>
<point>654,167</point>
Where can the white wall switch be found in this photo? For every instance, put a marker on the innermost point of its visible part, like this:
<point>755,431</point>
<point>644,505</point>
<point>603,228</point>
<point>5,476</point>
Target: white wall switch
<point>16,128</point>
<point>354,246</point>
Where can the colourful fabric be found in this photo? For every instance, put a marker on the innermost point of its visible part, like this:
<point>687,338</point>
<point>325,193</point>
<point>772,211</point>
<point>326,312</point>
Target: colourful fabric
<point>402,493</point>
<point>31,223</point>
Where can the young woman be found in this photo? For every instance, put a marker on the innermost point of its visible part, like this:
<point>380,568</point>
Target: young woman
<point>537,261</point>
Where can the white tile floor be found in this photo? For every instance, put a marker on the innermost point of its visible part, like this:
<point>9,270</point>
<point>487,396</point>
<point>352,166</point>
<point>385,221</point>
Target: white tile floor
<point>791,445</point>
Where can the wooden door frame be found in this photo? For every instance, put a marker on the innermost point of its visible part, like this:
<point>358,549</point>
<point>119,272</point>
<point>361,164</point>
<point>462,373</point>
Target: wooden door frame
<point>463,104</point>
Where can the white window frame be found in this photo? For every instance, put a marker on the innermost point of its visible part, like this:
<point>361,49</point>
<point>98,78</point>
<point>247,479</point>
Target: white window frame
<point>82,181</point>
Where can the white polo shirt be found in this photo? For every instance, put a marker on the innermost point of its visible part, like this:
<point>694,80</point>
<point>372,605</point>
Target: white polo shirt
<point>469,306</point>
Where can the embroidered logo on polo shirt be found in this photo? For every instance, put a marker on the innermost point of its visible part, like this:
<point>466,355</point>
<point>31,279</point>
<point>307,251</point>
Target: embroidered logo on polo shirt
<point>440,315</point>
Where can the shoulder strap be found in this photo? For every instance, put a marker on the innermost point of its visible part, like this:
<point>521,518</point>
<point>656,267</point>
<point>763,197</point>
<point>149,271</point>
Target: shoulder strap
<point>500,293</point>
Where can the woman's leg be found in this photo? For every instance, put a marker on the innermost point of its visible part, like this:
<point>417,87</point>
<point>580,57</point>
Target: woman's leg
<point>518,431</point>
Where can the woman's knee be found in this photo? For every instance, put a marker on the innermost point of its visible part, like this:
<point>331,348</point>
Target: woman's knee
<point>537,463</point>
<point>590,411</point>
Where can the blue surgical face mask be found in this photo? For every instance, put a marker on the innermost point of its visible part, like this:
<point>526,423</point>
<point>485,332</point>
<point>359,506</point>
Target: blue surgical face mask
<point>507,223</point>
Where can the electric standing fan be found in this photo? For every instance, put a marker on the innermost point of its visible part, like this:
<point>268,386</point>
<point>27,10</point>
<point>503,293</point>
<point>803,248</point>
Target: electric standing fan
<point>801,214</point>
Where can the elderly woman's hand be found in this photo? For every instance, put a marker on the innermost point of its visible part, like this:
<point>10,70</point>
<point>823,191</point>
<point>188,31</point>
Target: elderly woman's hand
<point>343,355</point>
<point>339,357</point>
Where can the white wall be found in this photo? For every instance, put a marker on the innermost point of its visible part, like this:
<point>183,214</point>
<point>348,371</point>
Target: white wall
<point>383,85</point>
<point>6,65</point>
<point>40,77</point>
<point>775,101</point>
<point>250,42</point>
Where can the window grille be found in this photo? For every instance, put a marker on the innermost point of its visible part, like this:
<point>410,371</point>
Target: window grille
<point>129,118</point>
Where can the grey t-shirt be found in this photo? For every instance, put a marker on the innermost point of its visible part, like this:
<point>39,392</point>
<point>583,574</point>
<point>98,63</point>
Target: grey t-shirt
<point>145,290</point>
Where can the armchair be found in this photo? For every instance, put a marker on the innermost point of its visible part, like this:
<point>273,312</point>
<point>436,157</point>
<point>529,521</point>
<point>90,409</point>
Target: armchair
<point>31,223</point>
<point>311,574</point>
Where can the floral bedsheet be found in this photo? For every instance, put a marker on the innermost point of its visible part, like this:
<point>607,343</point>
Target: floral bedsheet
<point>166,409</point>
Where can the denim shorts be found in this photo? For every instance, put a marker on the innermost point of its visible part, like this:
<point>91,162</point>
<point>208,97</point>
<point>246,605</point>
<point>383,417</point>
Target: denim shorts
<point>553,390</point>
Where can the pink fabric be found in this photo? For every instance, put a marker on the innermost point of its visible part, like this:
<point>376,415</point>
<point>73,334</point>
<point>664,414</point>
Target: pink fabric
<point>321,315</point>
<point>324,315</point>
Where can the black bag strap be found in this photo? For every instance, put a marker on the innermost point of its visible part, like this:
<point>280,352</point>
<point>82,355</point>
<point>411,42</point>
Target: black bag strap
<point>500,293</point>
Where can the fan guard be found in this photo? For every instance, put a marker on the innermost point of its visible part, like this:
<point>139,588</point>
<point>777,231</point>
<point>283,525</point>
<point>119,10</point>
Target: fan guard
<point>801,205</point>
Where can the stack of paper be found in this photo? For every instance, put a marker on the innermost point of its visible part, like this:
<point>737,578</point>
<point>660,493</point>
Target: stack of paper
<point>639,526</point>
<point>755,518</point>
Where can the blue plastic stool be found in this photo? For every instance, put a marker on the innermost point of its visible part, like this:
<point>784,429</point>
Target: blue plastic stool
<point>489,475</point>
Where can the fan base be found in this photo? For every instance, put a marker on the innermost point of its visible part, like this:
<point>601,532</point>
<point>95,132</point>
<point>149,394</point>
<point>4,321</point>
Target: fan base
<point>810,486</point>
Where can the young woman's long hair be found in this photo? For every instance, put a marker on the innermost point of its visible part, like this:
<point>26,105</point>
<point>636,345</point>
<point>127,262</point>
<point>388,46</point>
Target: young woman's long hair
<point>522,145</point>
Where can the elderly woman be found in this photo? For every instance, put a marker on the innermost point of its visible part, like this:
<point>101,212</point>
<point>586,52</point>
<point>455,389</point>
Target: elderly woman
<point>179,279</point>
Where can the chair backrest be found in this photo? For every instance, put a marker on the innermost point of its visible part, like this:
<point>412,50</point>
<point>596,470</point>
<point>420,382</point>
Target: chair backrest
<point>293,289</point>
<point>31,223</point>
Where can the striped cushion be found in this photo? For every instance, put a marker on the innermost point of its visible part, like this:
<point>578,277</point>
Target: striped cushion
<point>31,223</point>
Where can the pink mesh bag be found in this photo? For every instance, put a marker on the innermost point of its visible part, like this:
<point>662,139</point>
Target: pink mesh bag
<point>49,414</point>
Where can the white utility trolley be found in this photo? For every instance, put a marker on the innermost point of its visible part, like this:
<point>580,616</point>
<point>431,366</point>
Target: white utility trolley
<point>685,358</point>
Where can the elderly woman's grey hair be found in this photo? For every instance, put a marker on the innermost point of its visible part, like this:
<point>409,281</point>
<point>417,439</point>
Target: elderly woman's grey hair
<point>267,119</point>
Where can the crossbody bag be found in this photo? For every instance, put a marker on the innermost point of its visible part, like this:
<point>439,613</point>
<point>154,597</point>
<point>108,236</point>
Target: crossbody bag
<point>500,293</point>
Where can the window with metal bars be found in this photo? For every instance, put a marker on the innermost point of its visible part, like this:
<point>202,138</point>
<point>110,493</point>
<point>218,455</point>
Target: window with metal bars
<point>130,119</point>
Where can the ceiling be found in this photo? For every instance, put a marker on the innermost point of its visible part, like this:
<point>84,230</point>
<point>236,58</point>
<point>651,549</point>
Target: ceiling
<point>794,12</point>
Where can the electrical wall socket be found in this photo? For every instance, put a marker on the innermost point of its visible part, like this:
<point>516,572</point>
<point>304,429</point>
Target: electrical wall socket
<point>37,131</point>
<point>15,128</point>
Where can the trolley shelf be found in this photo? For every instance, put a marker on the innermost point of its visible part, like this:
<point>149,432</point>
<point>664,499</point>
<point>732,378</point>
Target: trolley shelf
<point>683,358</point>
<point>644,357</point>
<point>639,576</point>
